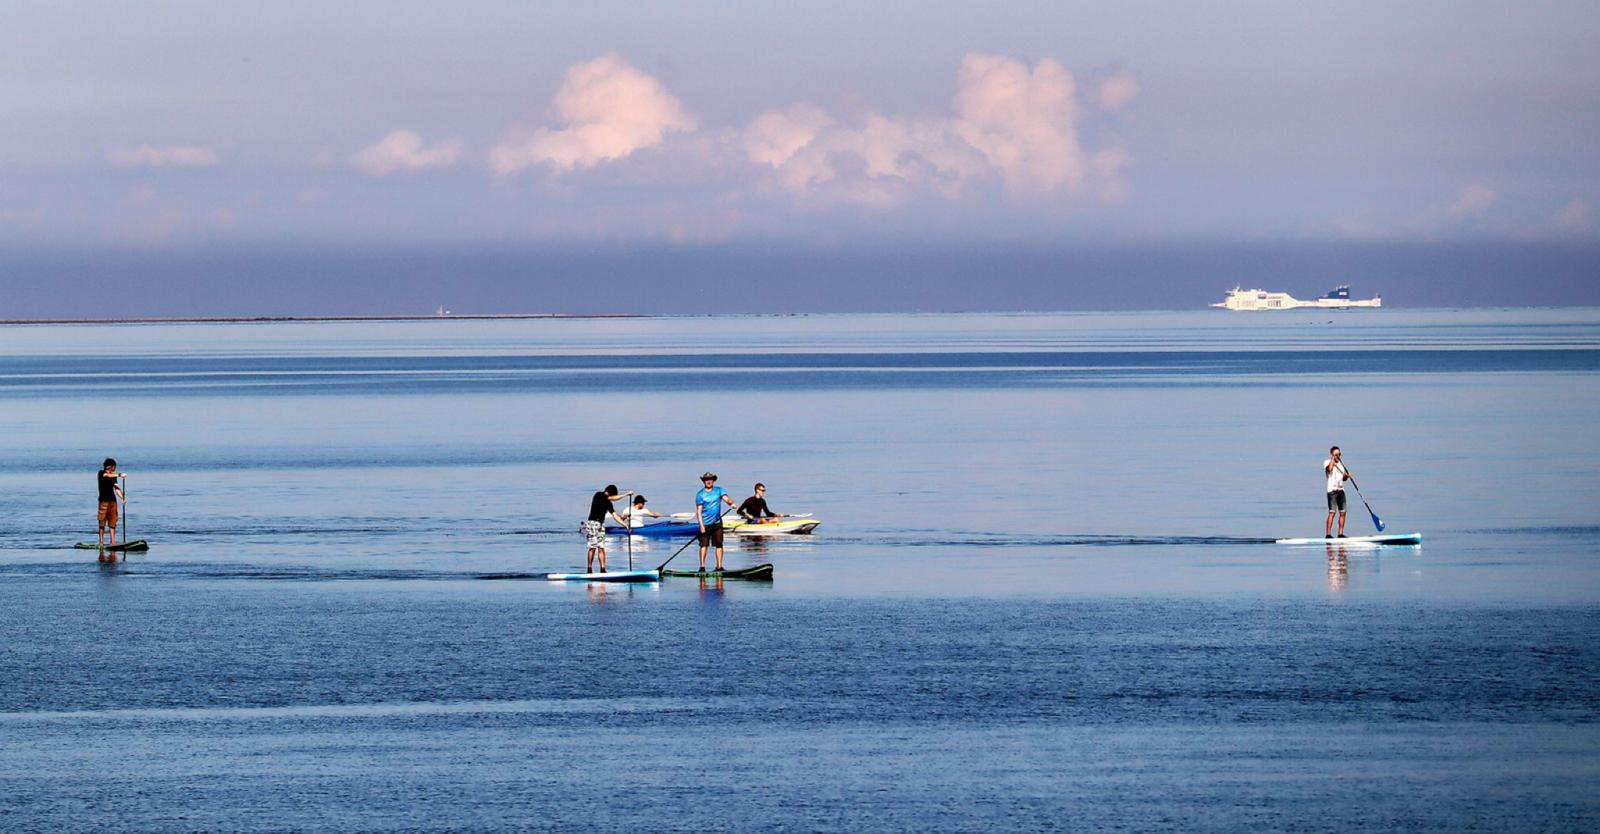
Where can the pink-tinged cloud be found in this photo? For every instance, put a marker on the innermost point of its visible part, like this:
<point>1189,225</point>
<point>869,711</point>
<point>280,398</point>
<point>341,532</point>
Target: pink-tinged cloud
<point>609,109</point>
<point>403,150</point>
<point>1024,122</point>
<point>1473,201</point>
<point>1117,92</point>
<point>775,136</point>
<point>1010,124</point>
<point>171,156</point>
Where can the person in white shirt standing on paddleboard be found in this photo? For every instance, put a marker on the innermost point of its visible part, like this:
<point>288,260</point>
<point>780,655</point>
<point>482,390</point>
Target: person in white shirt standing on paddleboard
<point>1337,475</point>
<point>708,508</point>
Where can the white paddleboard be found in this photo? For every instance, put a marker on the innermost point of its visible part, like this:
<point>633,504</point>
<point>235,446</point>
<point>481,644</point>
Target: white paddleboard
<point>1381,538</point>
<point>608,576</point>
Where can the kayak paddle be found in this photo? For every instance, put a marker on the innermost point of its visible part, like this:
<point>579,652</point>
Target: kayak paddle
<point>1376,522</point>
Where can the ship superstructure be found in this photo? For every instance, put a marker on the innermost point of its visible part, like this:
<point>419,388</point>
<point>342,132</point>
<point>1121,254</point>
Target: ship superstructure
<point>1337,298</point>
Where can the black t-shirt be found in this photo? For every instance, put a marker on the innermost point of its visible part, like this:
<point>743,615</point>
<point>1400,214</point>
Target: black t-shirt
<point>599,507</point>
<point>108,486</point>
<point>755,507</point>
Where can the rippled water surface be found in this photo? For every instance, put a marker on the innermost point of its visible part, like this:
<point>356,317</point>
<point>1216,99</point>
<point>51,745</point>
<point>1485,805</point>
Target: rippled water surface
<point>1043,595</point>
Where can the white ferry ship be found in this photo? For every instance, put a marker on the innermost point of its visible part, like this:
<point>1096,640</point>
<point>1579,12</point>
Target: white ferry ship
<point>1337,299</point>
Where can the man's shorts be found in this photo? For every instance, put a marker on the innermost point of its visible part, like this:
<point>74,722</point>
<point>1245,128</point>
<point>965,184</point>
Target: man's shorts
<point>1336,500</point>
<point>595,532</point>
<point>108,513</point>
<point>712,535</point>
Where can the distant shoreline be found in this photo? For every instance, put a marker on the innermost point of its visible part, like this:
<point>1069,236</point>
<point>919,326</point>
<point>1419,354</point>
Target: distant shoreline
<point>280,319</point>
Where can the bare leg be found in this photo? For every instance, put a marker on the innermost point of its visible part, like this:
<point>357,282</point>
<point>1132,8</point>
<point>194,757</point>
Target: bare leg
<point>1327,529</point>
<point>719,557</point>
<point>602,560</point>
<point>1341,522</point>
<point>702,558</point>
<point>590,568</point>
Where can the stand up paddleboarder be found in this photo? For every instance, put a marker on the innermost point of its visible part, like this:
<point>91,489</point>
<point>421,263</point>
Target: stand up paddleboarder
<point>594,527</point>
<point>708,503</point>
<point>1337,475</point>
<point>110,497</point>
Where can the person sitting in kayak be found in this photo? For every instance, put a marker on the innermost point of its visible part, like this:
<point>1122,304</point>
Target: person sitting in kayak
<point>594,529</point>
<point>637,514</point>
<point>708,509</point>
<point>755,509</point>
<point>1337,475</point>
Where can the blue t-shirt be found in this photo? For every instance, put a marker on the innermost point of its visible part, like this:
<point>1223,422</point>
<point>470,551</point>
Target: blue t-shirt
<point>710,503</point>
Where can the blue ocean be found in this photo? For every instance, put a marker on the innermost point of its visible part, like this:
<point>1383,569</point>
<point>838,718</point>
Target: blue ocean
<point>1043,595</point>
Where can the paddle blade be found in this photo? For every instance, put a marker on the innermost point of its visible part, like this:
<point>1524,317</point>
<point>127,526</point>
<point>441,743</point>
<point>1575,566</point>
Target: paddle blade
<point>1376,522</point>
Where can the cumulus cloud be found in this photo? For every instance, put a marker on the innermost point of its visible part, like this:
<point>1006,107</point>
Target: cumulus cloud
<point>775,136</point>
<point>1024,122</point>
<point>403,150</point>
<point>1117,92</point>
<point>1473,201</point>
<point>609,110</point>
<point>171,156</point>
<point>1009,123</point>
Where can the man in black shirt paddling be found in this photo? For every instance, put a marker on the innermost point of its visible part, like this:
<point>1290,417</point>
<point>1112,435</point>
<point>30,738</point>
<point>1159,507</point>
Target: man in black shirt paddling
<point>755,509</point>
<point>594,527</point>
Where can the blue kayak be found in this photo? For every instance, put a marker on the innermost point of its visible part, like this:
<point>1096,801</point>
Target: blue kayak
<point>660,529</point>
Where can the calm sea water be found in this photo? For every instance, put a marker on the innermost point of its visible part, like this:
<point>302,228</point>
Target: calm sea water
<point>1043,595</point>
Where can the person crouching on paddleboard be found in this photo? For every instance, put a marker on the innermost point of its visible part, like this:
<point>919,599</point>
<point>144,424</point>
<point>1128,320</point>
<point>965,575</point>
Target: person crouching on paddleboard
<point>755,509</point>
<point>110,495</point>
<point>594,527</point>
<point>1337,475</point>
<point>708,502</point>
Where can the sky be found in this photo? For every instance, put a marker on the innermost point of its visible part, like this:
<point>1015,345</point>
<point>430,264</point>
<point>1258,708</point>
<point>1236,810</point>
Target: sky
<point>166,158</point>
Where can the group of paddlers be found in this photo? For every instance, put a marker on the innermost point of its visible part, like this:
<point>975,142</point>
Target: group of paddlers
<point>708,503</point>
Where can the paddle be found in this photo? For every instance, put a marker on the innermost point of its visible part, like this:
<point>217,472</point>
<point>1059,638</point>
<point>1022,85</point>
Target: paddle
<point>1376,522</point>
<point>124,477</point>
<point>663,565</point>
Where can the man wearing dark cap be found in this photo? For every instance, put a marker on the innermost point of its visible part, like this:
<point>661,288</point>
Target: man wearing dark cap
<point>708,503</point>
<point>594,527</point>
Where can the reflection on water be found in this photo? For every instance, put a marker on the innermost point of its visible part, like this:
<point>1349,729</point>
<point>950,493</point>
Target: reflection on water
<point>1338,567</point>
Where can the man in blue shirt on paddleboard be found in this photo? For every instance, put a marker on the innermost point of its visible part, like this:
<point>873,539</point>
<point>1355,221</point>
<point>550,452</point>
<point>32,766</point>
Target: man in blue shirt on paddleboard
<point>1337,475</point>
<point>708,503</point>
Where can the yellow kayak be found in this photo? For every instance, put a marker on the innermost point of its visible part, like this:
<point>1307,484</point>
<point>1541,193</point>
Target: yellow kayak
<point>789,525</point>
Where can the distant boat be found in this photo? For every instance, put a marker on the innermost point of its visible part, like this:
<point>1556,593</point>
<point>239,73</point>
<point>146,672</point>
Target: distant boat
<point>1337,298</point>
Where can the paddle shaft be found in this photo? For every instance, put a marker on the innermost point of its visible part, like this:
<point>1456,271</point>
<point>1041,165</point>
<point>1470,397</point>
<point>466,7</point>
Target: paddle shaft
<point>124,478</point>
<point>1376,522</point>
<point>691,541</point>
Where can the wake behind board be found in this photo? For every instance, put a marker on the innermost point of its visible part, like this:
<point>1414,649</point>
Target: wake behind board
<point>758,572</point>
<point>1386,538</point>
<point>608,576</point>
<point>137,546</point>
